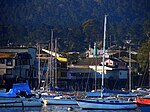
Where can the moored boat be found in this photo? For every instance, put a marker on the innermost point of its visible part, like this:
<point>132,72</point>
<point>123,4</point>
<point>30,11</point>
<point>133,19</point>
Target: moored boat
<point>20,102</point>
<point>60,100</point>
<point>106,103</point>
<point>20,95</point>
<point>145,100</point>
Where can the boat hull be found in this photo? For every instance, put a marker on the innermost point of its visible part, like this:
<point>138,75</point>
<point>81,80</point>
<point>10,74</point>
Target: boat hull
<point>100,104</point>
<point>59,102</point>
<point>143,101</point>
<point>20,102</point>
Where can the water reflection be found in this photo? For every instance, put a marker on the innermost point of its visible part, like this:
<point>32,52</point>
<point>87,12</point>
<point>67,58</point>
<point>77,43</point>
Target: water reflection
<point>64,108</point>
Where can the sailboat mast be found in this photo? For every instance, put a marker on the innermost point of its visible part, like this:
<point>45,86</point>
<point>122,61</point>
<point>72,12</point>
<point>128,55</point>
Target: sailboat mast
<point>130,84</point>
<point>55,62</point>
<point>51,62</point>
<point>48,69</point>
<point>39,69</point>
<point>103,59</point>
<point>95,54</point>
<point>149,69</point>
<point>104,50</point>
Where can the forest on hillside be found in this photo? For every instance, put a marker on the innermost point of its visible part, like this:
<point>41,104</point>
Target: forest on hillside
<point>76,23</point>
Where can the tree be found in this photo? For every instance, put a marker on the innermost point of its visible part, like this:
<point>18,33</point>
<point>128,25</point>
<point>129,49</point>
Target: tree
<point>91,30</point>
<point>147,28</point>
<point>143,56</point>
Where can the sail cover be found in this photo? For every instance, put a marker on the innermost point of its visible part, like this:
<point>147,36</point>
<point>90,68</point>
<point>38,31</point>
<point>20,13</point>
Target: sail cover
<point>16,89</point>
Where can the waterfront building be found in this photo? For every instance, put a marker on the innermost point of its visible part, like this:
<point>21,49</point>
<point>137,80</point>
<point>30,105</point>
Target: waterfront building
<point>85,72</point>
<point>17,65</point>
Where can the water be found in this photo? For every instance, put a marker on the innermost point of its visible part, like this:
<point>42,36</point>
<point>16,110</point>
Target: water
<point>64,108</point>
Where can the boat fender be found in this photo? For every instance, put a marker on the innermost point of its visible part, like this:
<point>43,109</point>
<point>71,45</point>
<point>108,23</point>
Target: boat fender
<point>70,108</point>
<point>38,96</point>
<point>130,99</point>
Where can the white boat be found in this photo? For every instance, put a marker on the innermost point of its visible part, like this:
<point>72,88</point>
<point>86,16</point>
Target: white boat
<point>97,94</point>
<point>47,94</point>
<point>60,100</point>
<point>127,95</point>
<point>105,103</point>
<point>20,102</point>
<point>20,96</point>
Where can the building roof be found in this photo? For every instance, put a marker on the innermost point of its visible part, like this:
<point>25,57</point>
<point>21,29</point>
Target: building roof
<point>58,56</point>
<point>8,55</point>
<point>126,59</point>
<point>62,59</point>
<point>46,57</point>
<point>13,50</point>
<point>90,61</point>
<point>51,52</point>
<point>94,61</point>
<point>116,59</point>
<point>24,56</point>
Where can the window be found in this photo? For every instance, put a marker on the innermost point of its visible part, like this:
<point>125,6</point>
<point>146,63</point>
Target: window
<point>9,71</point>
<point>24,62</point>
<point>120,73</point>
<point>27,72</point>
<point>63,74</point>
<point>34,74</point>
<point>63,65</point>
<point>9,62</point>
<point>74,74</point>
<point>2,61</point>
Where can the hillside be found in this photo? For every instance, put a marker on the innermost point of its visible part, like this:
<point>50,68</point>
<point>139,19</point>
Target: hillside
<point>76,23</point>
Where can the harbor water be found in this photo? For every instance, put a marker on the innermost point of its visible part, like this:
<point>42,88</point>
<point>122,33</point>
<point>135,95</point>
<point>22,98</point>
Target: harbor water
<point>66,108</point>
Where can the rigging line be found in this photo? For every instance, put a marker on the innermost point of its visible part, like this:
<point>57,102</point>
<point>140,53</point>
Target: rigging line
<point>44,66</point>
<point>88,78</point>
<point>89,73</point>
<point>144,75</point>
<point>115,84</point>
<point>94,74</point>
<point>140,79</point>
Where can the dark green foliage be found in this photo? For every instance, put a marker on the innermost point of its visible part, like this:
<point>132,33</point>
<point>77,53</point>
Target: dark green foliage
<point>76,22</point>
<point>143,56</point>
<point>143,61</point>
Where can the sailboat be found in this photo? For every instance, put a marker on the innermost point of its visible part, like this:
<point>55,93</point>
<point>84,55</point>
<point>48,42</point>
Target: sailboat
<point>145,100</point>
<point>20,95</point>
<point>109,103</point>
<point>53,97</point>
